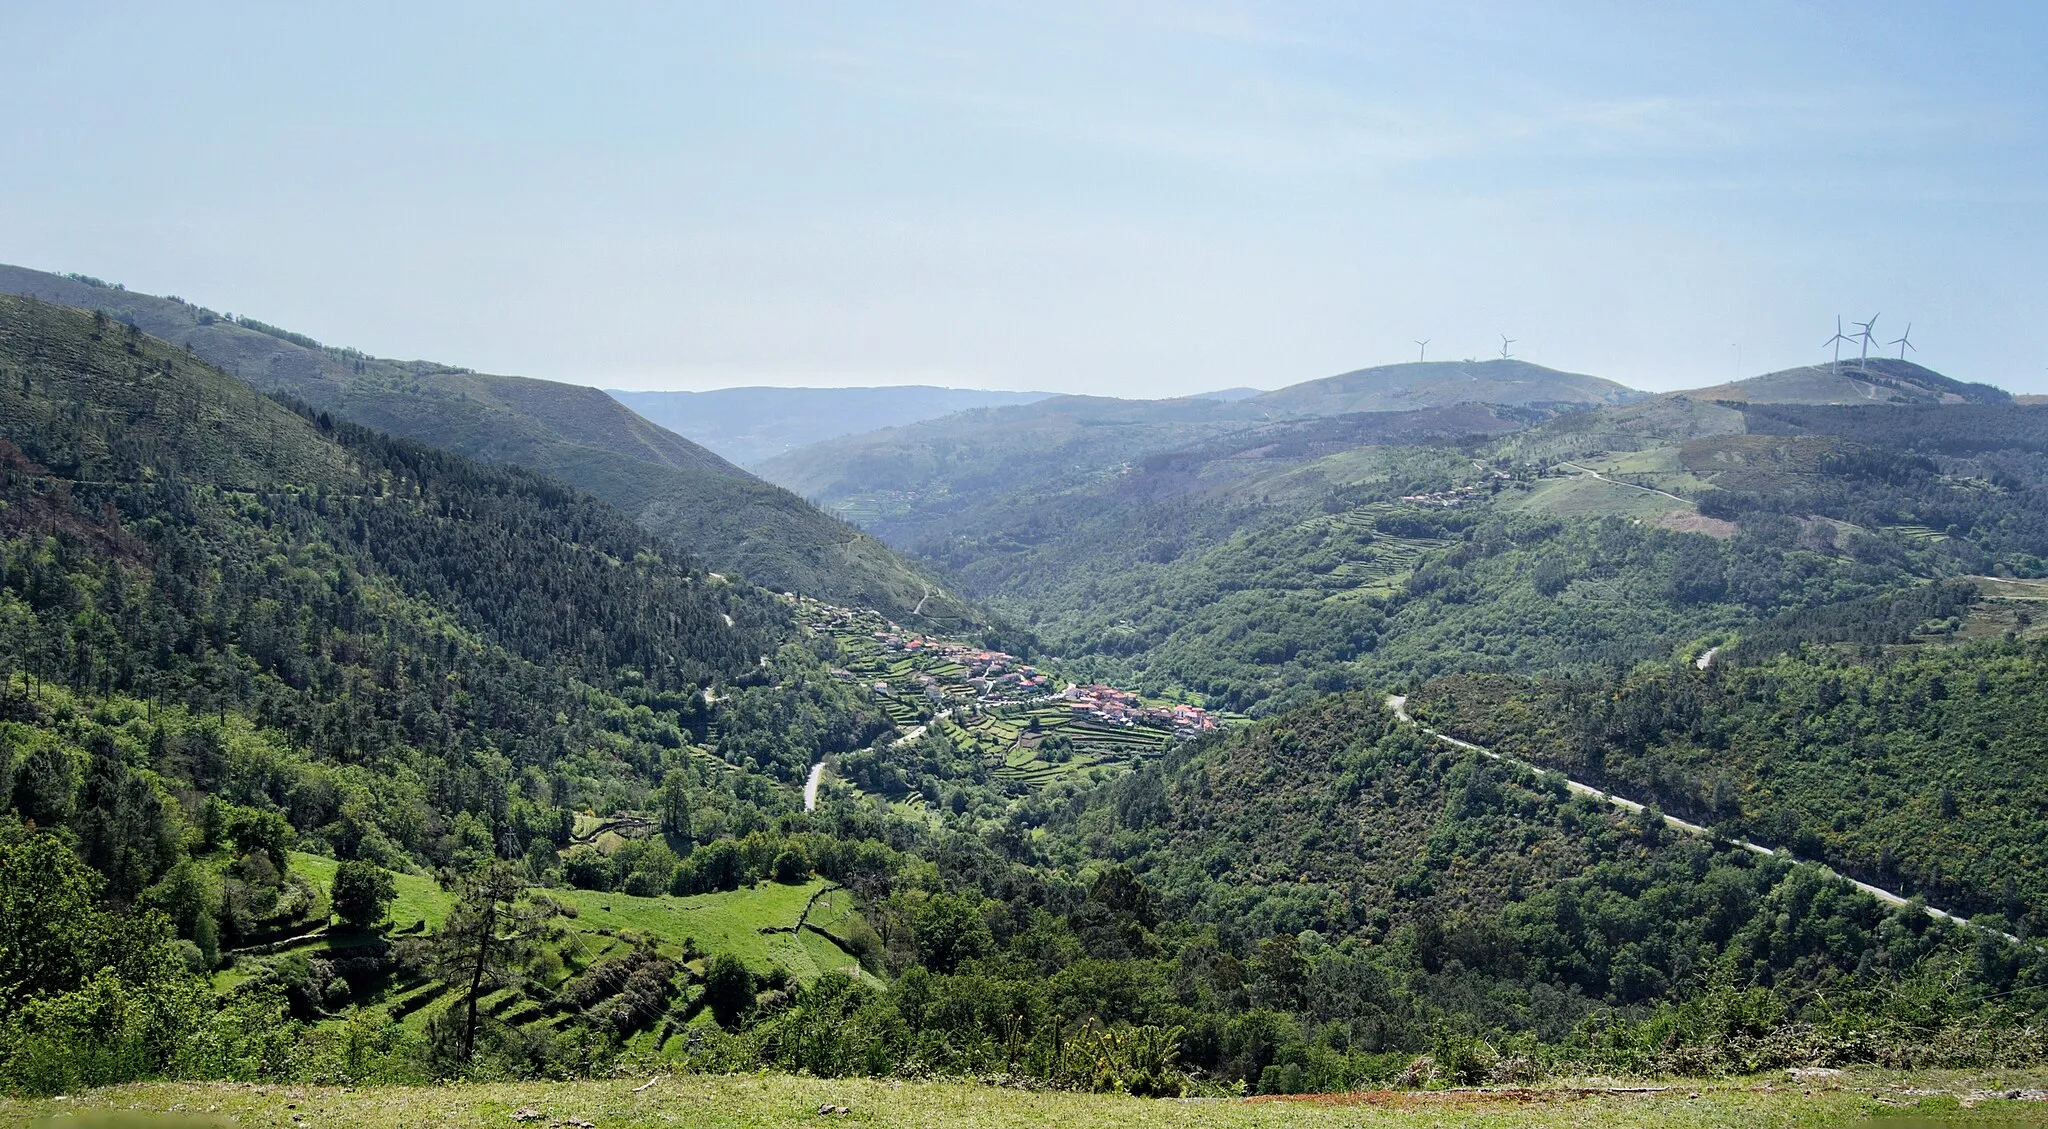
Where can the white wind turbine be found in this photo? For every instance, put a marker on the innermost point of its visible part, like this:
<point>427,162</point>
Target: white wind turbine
<point>1838,340</point>
<point>1863,362</point>
<point>1905,341</point>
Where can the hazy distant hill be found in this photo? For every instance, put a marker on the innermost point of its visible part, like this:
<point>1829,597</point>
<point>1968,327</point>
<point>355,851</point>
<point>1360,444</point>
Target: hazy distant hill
<point>751,425</point>
<point>925,469</point>
<point>1881,380</point>
<point>903,482</point>
<point>580,435</point>
<point>1436,384</point>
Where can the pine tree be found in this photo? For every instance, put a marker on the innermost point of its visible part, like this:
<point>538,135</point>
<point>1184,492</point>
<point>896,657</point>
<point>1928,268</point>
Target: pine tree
<point>492,932</point>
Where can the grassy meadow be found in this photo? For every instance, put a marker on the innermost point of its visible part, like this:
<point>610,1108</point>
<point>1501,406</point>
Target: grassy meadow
<point>755,923</point>
<point>767,1100</point>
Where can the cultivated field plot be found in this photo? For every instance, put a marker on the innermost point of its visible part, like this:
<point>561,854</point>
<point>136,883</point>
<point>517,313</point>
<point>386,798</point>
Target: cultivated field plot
<point>758,924</point>
<point>2008,588</point>
<point>1035,747</point>
<point>1376,561</point>
<point>2012,607</point>
<point>420,904</point>
<point>1917,532</point>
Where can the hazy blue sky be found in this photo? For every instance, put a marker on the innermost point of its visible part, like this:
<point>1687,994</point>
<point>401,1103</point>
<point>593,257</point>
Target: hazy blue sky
<point>1135,199</point>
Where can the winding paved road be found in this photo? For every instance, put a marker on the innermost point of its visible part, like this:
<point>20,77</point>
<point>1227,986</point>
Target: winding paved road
<point>1399,704</point>
<point>811,786</point>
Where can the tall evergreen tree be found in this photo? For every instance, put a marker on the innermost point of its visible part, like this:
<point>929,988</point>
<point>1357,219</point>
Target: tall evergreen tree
<point>494,930</point>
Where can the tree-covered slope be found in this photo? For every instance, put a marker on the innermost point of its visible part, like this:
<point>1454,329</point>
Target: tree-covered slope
<point>230,626</point>
<point>1388,885</point>
<point>1589,540</point>
<point>1420,564</point>
<point>580,435</point>
<point>452,639</point>
<point>1917,767</point>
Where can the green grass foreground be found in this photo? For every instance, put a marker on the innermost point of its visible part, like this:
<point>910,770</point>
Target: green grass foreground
<point>1857,1098</point>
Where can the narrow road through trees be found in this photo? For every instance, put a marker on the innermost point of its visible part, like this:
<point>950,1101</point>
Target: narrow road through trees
<point>1398,703</point>
<point>811,786</point>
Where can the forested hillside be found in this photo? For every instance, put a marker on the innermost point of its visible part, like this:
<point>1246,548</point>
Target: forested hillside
<point>1265,565</point>
<point>1396,893</point>
<point>231,627</point>
<point>1917,768</point>
<point>1329,900</point>
<point>326,755</point>
<point>579,435</point>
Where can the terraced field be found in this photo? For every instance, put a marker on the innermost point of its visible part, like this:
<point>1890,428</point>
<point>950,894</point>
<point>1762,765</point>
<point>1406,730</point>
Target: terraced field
<point>420,903</point>
<point>1018,749</point>
<point>1917,532</point>
<point>1381,561</point>
<point>796,931</point>
<point>2008,588</point>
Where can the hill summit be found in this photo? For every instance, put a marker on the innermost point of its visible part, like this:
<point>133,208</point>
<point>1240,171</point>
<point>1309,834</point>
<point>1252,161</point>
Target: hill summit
<point>1437,384</point>
<point>1879,380</point>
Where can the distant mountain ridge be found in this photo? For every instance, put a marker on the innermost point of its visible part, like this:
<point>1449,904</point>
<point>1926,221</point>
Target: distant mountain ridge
<point>1880,380</point>
<point>752,425</point>
<point>894,480</point>
<point>674,487</point>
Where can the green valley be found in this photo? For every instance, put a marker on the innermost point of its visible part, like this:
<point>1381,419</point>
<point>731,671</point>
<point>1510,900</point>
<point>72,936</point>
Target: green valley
<point>1215,565</point>
<point>382,765</point>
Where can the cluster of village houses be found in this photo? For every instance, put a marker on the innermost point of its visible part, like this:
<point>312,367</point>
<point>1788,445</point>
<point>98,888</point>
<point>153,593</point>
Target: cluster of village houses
<point>997,677</point>
<point>1110,704</point>
<point>1457,495</point>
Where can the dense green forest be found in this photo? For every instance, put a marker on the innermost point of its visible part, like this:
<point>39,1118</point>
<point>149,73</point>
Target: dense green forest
<point>1917,768</point>
<point>1260,598</point>
<point>1315,902</point>
<point>581,436</point>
